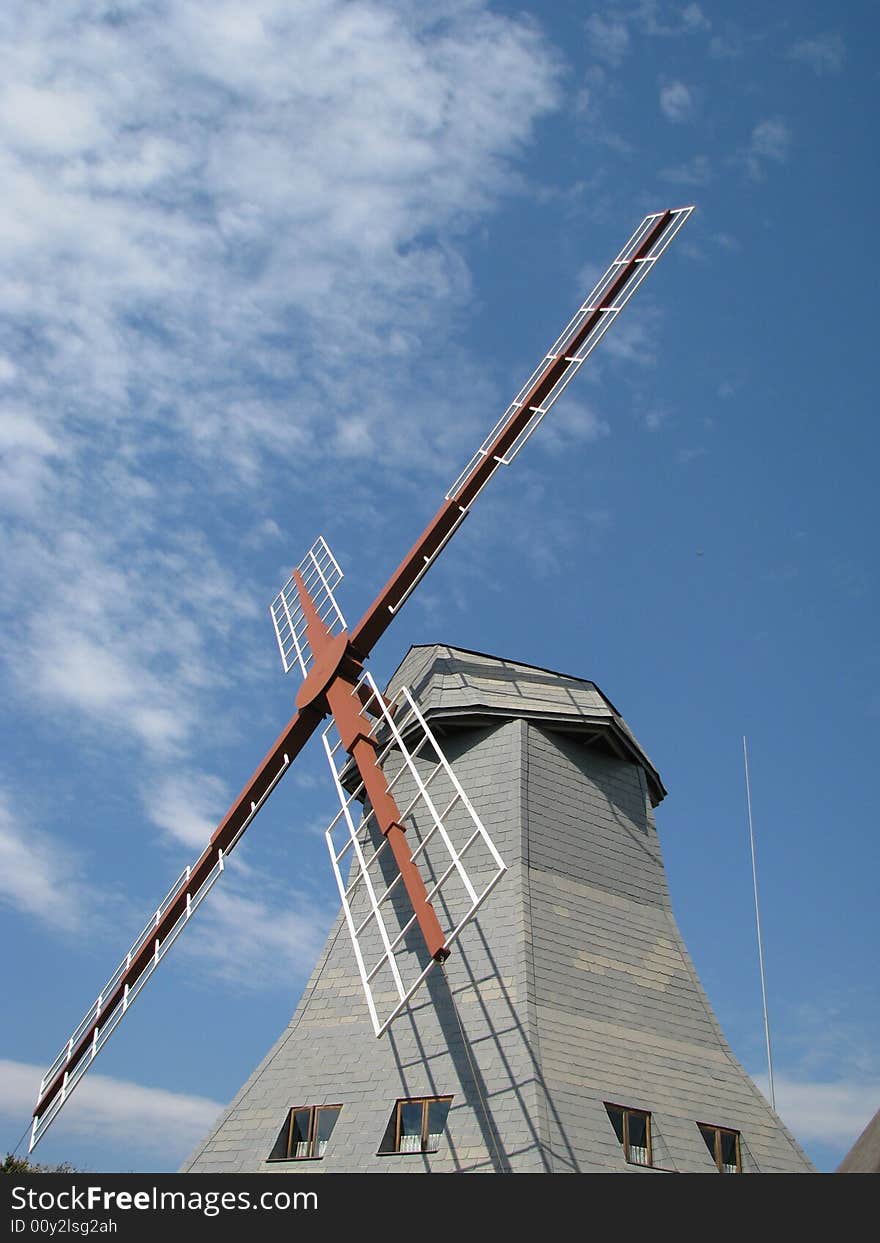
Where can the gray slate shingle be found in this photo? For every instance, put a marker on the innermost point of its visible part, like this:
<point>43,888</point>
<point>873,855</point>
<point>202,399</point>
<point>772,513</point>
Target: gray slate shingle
<point>573,985</point>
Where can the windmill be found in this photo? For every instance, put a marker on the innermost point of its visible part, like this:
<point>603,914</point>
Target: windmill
<point>432,867</point>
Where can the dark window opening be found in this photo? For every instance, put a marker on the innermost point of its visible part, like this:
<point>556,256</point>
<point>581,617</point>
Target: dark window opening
<point>306,1132</point>
<point>723,1144</point>
<point>416,1125</point>
<point>633,1130</point>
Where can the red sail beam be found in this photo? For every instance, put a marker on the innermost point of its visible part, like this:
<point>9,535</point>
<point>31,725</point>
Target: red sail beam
<point>331,683</point>
<point>349,720</point>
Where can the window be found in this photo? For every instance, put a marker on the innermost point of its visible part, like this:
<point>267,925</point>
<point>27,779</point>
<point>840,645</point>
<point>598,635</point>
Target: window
<point>723,1144</point>
<point>417,1125</point>
<point>633,1130</point>
<point>305,1133</point>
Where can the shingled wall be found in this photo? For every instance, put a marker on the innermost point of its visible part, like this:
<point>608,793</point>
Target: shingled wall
<point>571,988</point>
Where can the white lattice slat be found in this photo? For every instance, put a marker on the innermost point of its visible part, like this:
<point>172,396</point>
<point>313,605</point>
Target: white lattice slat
<point>448,841</point>
<point>321,574</point>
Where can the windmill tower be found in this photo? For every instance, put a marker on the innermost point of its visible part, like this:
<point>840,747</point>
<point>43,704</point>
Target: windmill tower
<point>416,867</point>
<point>568,1032</point>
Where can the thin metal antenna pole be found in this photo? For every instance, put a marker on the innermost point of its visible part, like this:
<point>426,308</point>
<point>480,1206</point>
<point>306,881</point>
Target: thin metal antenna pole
<point>758,925</point>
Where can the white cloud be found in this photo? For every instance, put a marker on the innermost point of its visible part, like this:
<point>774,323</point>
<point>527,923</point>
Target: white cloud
<point>30,455</point>
<point>117,628</point>
<point>187,805</point>
<point>166,1123</point>
<point>635,338</point>
<point>591,106</point>
<point>694,18</point>
<point>258,942</point>
<point>770,141</point>
<point>727,46</point>
<point>608,39</point>
<point>696,172</point>
<point>824,1112</point>
<point>265,532</point>
<point>676,102</point>
<point>569,421</point>
<point>219,225</point>
<point>824,55</point>
<point>49,121</point>
<point>684,457</point>
<point>22,432</point>
<point>658,19</point>
<point>39,875</point>
<point>726,241</point>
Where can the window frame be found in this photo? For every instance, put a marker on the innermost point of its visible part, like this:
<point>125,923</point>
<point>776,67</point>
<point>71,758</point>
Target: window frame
<point>715,1152</point>
<point>311,1153</point>
<point>625,1111</point>
<point>425,1102</point>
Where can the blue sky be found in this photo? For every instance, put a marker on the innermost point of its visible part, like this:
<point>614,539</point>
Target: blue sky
<point>274,270</point>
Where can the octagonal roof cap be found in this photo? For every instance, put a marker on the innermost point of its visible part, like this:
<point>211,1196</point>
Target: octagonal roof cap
<point>455,684</point>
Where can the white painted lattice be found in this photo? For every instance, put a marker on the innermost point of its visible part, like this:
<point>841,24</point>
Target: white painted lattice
<point>448,842</point>
<point>321,574</point>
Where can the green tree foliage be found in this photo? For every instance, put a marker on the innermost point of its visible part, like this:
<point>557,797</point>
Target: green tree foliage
<point>19,1165</point>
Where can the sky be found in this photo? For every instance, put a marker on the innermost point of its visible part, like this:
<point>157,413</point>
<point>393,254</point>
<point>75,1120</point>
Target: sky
<point>273,271</point>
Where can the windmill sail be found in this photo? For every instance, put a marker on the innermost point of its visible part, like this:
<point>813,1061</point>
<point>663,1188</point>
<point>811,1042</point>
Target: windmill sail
<point>447,841</point>
<point>321,574</point>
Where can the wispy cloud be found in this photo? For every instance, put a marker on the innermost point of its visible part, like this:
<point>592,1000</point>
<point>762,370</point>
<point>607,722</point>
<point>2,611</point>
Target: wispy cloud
<point>608,39</point>
<point>728,44</point>
<point>188,805</point>
<point>693,453</point>
<point>655,419</point>
<point>258,936</point>
<point>167,1124</point>
<point>826,1036</point>
<point>114,627</point>
<point>592,105</point>
<point>571,422</point>
<point>826,1112</point>
<point>771,139</point>
<point>769,142</point>
<point>693,18</point>
<point>825,54</point>
<point>676,102</point>
<point>696,172</point>
<point>39,876</point>
<point>205,211</point>
<point>636,337</point>
<point>657,19</point>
